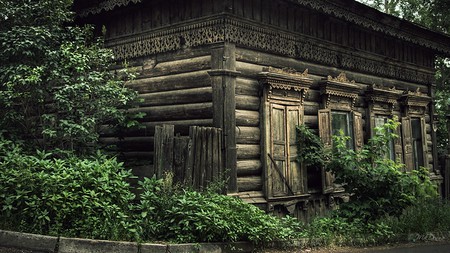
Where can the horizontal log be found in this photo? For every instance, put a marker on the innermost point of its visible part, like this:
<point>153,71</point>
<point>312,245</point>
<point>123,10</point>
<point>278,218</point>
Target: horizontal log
<point>249,184</point>
<point>186,96</point>
<point>250,87</point>
<point>248,151</point>
<point>176,112</point>
<point>173,82</point>
<point>249,168</point>
<point>316,71</point>
<point>185,53</point>
<point>248,135</point>
<point>313,96</point>
<point>311,121</point>
<point>244,102</point>
<point>247,118</point>
<point>139,143</point>
<point>176,66</point>
<point>311,108</point>
<point>140,155</point>
<point>249,70</point>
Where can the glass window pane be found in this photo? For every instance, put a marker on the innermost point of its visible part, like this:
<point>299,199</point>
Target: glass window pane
<point>417,142</point>
<point>340,121</point>
<point>379,122</point>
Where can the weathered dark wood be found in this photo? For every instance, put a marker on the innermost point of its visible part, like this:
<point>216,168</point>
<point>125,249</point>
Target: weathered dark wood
<point>173,82</point>
<point>181,152</point>
<point>177,66</point>
<point>244,102</point>
<point>247,118</point>
<point>249,168</point>
<point>185,96</point>
<point>249,184</point>
<point>248,151</point>
<point>177,112</point>
<point>163,160</point>
<point>249,87</point>
<point>248,135</point>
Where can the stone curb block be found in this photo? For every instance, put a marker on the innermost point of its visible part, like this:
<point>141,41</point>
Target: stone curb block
<point>50,244</point>
<point>28,241</point>
<point>75,245</point>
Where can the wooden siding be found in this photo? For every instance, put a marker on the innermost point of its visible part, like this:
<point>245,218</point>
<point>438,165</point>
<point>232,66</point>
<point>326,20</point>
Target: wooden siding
<point>175,89</point>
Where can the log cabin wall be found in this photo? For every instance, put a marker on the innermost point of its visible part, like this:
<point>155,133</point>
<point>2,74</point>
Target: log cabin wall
<point>186,50</point>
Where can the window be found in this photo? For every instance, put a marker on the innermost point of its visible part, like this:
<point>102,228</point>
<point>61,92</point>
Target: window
<point>287,175</point>
<point>380,120</point>
<point>414,142</point>
<point>342,122</point>
<point>283,94</point>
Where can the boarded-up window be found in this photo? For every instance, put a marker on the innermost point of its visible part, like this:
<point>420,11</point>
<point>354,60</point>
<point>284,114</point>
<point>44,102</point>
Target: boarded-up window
<point>414,142</point>
<point>287,176</point>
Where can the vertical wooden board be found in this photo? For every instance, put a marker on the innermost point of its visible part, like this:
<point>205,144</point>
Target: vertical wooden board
<point>163,147</point>
<point>180,159</point>
<point>358,130</point>
<point>190,164</point>
<point>204,154</point>
<point>325,131</point>
<point>196,9</point>
<point>306,22</point>
<point>238,7</point>
<point>215,154</point>
<point>265,11</point>
<point>297,175</point>
<point>257,10</point>
<point>291,16</point>
<point>248,9</point>
<point>407,143</point>
<point>207,7</point>
<point>209,155</point>
<point>424,142</point>
<point>156,14</point>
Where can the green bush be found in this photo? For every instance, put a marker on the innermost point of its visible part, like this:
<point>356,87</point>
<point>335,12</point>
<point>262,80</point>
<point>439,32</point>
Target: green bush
<point>72,197</point>
<point>178,215</point>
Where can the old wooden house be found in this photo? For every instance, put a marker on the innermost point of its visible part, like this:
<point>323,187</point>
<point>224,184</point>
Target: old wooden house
<point>258,68</point>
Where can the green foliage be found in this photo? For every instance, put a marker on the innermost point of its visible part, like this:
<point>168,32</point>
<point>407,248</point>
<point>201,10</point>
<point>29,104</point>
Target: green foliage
<point>340,231</point>
<point>172,214</point>
<point>424,218</point>
<point>88,198</point>
<point>377,185</point>
<point>310,148</point>
<point>55,81</point>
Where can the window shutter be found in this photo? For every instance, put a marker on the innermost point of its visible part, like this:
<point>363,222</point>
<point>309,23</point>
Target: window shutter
<point>325,133</point>
<point>297,172</point>
<point>358,130</point>
<point>407,143</point>
<point>424,142</point>
<point>398,145</point>
<point>278,166</point>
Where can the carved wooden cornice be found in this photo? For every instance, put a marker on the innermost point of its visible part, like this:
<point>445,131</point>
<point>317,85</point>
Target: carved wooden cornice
<point>382,94</point>
<point>285,79</point>
<point>339,86</point>
<point>250,34</point>
<point>415,99</point>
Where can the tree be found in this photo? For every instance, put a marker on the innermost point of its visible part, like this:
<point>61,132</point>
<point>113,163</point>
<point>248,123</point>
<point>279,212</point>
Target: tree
<point>56,84</point>
<point>432,14</point>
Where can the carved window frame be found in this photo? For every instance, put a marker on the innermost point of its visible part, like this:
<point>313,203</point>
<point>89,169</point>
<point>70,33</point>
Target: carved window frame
<point>415,106</point>
<point>383,102</point>
<point>283,90</point>
<point>338,94</point>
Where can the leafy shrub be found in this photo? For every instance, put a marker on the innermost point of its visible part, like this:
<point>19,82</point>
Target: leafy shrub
<point>180,215</point>
<point>424,217</point>
<point>377,185</point>
<point>72,197</point>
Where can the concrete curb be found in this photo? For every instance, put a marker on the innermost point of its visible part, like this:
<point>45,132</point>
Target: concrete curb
<point>51,244</point>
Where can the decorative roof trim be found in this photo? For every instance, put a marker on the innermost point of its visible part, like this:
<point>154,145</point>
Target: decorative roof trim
<point>415,99</point>
<point>344,13</point>
<point>245,33</point>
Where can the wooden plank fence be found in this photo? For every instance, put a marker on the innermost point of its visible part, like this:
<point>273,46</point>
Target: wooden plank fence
<point>195,160</point>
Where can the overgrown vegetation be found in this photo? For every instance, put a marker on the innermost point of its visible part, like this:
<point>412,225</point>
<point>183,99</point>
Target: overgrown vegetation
<point>56,86</point>
<point>92,198</point>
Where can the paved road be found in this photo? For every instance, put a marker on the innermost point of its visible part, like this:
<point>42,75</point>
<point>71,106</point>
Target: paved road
<point>431,248</point>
